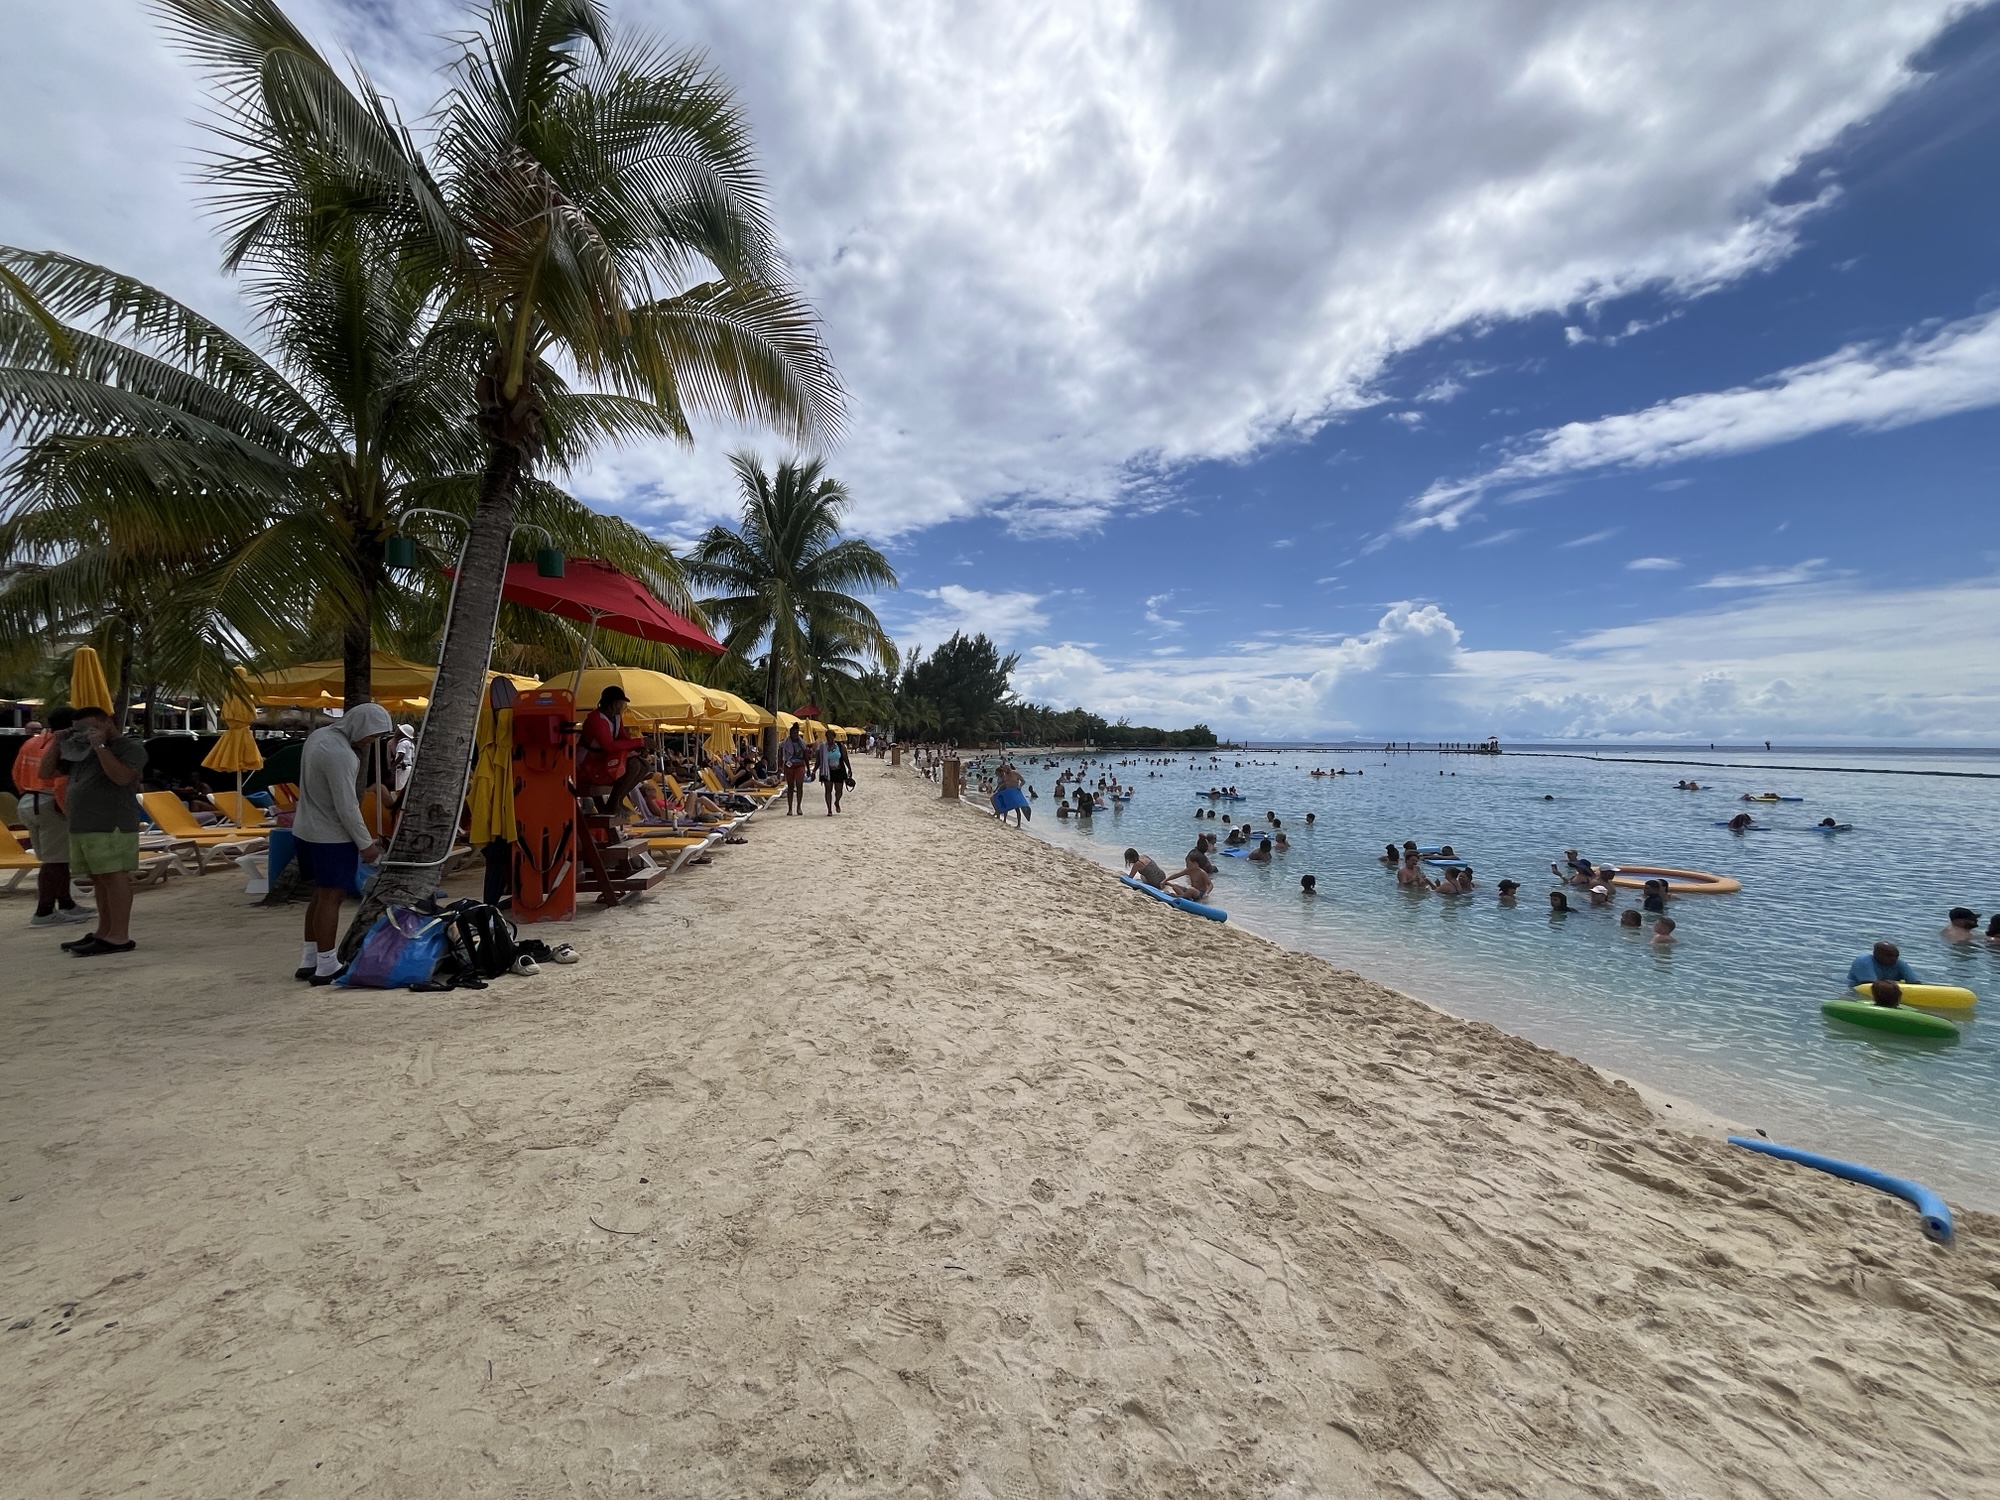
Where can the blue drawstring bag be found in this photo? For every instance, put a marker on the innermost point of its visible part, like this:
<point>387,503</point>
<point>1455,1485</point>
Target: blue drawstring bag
<point>404,947</point>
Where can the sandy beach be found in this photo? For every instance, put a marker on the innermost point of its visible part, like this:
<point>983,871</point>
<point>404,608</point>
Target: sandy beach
<point>900,1154</point>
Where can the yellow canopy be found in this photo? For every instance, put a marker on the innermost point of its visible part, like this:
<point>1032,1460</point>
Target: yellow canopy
<point>237,749</point>
<point>785,721</point>
<point>737,711</point>
<point>652,697</point>
<point>87,687</point>
<point>396,684</point>
<point>491,795</point>
<point>721,739</point>
<point>812,730</point>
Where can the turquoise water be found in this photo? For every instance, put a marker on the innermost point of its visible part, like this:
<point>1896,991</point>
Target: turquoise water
<point>1729,1016</point>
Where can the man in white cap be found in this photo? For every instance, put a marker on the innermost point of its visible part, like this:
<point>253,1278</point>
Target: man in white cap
<point>333,839</point>
<point>402,758</point>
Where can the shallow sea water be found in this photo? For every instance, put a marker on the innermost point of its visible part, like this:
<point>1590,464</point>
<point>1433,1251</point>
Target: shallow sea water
<point>1727,1018</point>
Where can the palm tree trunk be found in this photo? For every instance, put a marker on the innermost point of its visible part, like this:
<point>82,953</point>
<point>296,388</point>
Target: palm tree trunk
<point>424,837</point>
<point>357,665</point>
<point>771,702</point>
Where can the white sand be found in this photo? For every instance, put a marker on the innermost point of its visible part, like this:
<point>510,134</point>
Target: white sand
<point>929,1161</point>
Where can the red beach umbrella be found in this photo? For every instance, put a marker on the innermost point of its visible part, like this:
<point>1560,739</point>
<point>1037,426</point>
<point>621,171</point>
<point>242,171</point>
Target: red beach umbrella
<point>595,593</point>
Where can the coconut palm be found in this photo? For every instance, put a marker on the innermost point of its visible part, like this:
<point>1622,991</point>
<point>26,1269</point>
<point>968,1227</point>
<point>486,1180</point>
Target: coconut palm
<point>588,201</point>
<point>780,581</point>
<point>207,500</point>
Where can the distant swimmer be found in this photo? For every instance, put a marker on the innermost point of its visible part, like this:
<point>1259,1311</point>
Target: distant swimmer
<point>1886,993</point>
<point>1628,918</point>
<point>1447,852</point>
<point>1548,796</point>
<point>1663,932</point>
<point>1411,872</point>
<point>1282,841</point>
<point>1309,885</point>
<point>1741,823</point>
<point>1962,925</point>
<point>1145,869</point>
<point>1654,898</point>
<point>1391,855</point>
<point>1993,928</point>
<point>1237,838</point>
<point>1600,895</point>
<point>1558,904</point>
<point>1883,961</point>
<point>1262,853</point>
<point>1311,818</point>
<point>1828,823</point>
<point>1509,890</point>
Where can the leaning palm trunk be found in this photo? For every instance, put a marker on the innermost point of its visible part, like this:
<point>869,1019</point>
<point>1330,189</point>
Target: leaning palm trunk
<point>428,828</point>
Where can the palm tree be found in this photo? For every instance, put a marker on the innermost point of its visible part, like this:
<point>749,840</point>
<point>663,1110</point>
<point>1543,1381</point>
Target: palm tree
<point>780,580</point>
<point>213,503</point>
<point>577,189</point>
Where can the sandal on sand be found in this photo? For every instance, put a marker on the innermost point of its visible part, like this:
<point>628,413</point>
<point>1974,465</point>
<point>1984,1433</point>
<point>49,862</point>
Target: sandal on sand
<point>525,965</point>
<point>93,945</point>
<point>564,954</point>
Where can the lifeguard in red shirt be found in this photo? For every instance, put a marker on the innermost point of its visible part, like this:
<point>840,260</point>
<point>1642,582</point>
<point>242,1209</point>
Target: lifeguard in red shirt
<point>607,756</point>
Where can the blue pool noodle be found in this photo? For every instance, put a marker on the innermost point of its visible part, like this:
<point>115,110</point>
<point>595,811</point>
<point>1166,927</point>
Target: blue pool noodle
<point>1936,1213</point>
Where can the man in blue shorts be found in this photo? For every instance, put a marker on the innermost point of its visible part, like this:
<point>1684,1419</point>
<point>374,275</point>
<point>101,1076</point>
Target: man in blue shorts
<point>333,839</point>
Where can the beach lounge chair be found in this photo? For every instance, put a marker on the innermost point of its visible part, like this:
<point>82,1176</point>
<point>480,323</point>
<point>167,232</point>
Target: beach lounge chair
<point>179,830</point>
<point>677,849</point>
<point>757,794</point>
<point>16,863</point>
<point>284,795</point>
<point>240,810</point>
<point>728,821</point>
<point>10,810</point>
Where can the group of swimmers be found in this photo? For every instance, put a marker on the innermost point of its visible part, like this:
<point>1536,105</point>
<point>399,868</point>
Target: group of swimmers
<point>1597,881</point>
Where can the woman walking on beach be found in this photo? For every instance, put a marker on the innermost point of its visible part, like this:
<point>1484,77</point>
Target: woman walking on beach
<point>792,762</point>
<point>103,767</point>
<point>833,772</point>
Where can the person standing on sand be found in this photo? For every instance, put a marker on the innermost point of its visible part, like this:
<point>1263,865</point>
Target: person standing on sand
<point>41,813</point>
<point>333,839</point>
<point>103,801</point>
<point>834,771</point>
<point>792,762</point>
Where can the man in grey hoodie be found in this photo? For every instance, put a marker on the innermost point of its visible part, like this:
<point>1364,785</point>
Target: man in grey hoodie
<point>333,839</point>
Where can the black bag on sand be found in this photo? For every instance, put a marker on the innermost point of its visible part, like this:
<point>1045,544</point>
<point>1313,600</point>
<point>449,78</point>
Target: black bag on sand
<point>484,942</point>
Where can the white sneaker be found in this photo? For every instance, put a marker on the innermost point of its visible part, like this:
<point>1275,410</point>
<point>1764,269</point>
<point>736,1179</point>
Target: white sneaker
<point>77,914</point>
<point>46,919</point>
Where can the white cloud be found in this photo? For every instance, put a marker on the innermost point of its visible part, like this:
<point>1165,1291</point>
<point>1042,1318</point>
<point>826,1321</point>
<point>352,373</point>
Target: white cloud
<point>1002,618</point>
<point>1768,578</point>
<point>1652,564</point>
<point>1062,248</point>
<point>1498,537</point>
<point>1864,387</point>
<point>1595,537</point>
<point>1828,661</point>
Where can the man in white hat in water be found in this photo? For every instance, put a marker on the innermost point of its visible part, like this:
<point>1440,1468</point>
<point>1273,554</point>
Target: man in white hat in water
<point>333,839</point>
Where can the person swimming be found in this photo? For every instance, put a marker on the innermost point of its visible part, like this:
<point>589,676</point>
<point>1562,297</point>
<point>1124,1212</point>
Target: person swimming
<point>1282,841</point>
<point>1558,904</point>
<point>1391,855</point>
<point>1884,961</point>
<point>1886,993</point>
<point>1663,932</point>
<point>1309,885</point>
<point>1509,890</point>
<point>1961,926</point>
<point>1262,853</point>
<point>1628,917</point>
<point>1654,898</point>
<point>1741,823</point>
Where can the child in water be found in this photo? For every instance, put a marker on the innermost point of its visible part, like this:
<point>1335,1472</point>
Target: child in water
<point>1663,932</point>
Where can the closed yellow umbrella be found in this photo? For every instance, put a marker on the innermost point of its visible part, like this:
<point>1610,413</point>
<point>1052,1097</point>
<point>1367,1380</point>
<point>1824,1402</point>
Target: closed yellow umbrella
<point>87,687</point>
<point>491,795</point>
<point>721,739</point>
<point>237,749</point>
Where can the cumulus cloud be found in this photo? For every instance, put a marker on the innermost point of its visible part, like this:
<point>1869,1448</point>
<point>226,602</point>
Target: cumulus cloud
<point>1003,618</point>
<point>1827,661</point>
<point>1062,249</point>
<point>1864,387</point>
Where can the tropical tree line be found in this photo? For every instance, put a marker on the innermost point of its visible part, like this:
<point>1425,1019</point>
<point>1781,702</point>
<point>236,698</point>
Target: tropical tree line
<point>962,692</point>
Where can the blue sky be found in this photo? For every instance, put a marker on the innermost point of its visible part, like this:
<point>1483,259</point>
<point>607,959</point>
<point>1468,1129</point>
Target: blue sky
<point>1602,370</point>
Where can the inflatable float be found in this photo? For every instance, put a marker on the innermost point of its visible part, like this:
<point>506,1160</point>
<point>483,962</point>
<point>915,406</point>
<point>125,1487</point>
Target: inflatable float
<point>1679,882</point>
<point>1896,1018</point>
<point>1213,913</point>
<point>1932,996</point>
<point>1770,799</point>
<point>1936,1213</point>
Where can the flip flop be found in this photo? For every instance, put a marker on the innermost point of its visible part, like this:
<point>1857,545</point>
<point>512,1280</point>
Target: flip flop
<point>96,945</point>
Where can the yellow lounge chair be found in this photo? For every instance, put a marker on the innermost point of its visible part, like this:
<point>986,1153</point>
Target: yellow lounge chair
<point>16,863</point>
<point>729,821</point>
<point>239,809</point>
<point>757,794</point>
<point>178,829</point>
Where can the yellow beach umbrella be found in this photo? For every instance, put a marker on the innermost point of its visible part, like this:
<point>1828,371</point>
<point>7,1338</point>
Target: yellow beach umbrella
<point>394,683</point>
<point>237,749</point>
<point>87,687</point>
<point>721,739</point>
<point>652,697</point>
<point>491,795</point>
<point>737,711</point>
